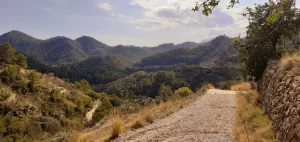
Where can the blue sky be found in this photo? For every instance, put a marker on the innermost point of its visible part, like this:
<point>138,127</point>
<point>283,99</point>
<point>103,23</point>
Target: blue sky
<point>127,22</point>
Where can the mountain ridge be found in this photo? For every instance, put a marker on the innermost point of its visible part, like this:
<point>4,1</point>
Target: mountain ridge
<point>81,48</point>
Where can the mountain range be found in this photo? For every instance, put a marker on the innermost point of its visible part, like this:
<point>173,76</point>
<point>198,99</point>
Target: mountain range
<point>63,50</point>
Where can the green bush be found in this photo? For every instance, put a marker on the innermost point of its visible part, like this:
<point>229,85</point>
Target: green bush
<point>115,101</point>
<point>165,92</point>
<point>183,92</point>
<point>225,85</point>
<point>34,80</point>
<point>4,94</point>
<point>57,96</point>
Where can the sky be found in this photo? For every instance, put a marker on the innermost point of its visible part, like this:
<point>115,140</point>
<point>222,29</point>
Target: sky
<point>126,22</point>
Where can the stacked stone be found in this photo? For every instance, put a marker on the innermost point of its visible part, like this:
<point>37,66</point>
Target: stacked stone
<point>280,96</point>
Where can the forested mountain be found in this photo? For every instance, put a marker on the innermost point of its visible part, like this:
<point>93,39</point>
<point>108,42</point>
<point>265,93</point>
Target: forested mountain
<point>147,84</point>
<point>217,51</point>
<point>96,70</point>
<point>63,50</point>
<point>91,46</point>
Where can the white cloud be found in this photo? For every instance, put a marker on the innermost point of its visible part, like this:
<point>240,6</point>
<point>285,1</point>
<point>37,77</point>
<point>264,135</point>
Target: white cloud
<point>172,14</point>
<point>105,6</point>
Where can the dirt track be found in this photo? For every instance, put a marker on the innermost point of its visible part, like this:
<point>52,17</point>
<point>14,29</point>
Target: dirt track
<point>208,119</point>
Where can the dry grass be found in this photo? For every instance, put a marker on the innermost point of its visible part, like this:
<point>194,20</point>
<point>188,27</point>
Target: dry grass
<point>138,124</point>
<point>117,128</point>
<point>210,86</point>
<point>251,123</point>
<point>287,60</point>
<point>145,116</point>
<point>244,86</point>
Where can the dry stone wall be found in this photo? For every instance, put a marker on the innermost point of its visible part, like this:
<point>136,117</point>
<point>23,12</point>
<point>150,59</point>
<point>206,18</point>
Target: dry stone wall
<point>280,97</point>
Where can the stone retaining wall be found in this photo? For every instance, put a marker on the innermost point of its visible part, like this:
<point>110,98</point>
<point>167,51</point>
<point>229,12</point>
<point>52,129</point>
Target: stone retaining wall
<point>280,97</point>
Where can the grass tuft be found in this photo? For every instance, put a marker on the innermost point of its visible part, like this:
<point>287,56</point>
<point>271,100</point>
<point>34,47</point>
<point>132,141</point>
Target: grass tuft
<point>117,128</point>
<point>287,60</point>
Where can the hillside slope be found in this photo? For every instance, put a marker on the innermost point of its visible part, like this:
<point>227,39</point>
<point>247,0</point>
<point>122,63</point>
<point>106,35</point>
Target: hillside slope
<point>216,52</point>
<point>35,106</point>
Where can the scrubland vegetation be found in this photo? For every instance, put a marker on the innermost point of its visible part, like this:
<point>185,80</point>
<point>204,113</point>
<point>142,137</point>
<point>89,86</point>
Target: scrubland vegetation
<point>251,123</point>
<point>140,118</point>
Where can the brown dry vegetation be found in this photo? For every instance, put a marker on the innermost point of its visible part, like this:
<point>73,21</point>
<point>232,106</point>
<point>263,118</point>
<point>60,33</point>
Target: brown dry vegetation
<point>244,86</point>
<point>145,116</point>
<point>287,60</point>
<point>251,123</point>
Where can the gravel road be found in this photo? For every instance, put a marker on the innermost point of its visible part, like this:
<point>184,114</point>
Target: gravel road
<point>210,118</point>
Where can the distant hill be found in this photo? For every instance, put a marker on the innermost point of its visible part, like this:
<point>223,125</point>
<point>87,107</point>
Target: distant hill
<point>63,50</point>
<point>214,53</point>
<point>96,70</point>
<point>92,47</point>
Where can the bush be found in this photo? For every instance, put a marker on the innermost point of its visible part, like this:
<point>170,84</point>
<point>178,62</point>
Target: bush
<point>225,85</point>
<point>115,101</point>
<point>100,113</point>
<point>241,87</point>
<point>138,124</point>
<point>165,92</point>
<point>34,80</point>
<point>4,94</point>
<point>117,128</point>
<point>57,96</point>
<point>149,118</point>
<point>183,92</point>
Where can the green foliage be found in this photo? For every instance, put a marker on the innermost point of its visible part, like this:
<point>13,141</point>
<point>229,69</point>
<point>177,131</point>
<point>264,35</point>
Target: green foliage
<point>57,96</point>
<point>83,85</point>
<point>225,85</point>
<point>7,53</point>
<point>217,48</point>
<point>4,94</point>
<point>34,80</point>
<point>165,92</point>
<point>183,92</point>
<point>209,5</point>
<point>265,40</point>
<point>21,60</point>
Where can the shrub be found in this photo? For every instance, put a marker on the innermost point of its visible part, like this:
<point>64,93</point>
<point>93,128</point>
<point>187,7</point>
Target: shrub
<point>244,86</point>
<point>138,124</point>
<point>117,128</point>
<point>183,92</point>
<point>149,118</point>
<point>210,86</point>
<point>165,92</point>
<point>34,80</point>
<point>4,94</point>
<point>57,96</point>
<point>115,101</point>
<point>225,85</point>
<point>100,113</point>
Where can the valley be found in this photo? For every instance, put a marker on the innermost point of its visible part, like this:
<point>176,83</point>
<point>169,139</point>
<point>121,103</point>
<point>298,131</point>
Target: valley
<point>141,70</point>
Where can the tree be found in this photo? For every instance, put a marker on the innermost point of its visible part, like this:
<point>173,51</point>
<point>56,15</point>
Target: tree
<point>209,5</point>
<point>266,36</point>
<point>34,79</point>
<point>165,92</point>
<point>21,60</point>
<point>7,53</point>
